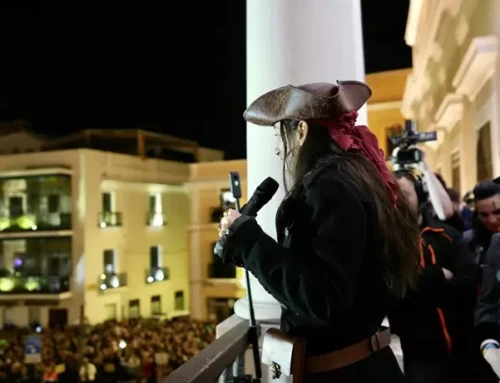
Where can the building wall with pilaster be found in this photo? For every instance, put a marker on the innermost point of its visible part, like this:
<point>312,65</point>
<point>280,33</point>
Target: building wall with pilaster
<point>454,87</point>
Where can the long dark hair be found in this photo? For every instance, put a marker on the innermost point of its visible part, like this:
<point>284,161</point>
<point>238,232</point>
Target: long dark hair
<point>396,228</point>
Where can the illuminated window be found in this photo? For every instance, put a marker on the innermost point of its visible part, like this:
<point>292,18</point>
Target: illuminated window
<point>179,300</point>
<point>156,305</point>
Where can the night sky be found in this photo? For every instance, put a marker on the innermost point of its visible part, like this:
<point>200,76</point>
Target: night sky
<point>171,67</point>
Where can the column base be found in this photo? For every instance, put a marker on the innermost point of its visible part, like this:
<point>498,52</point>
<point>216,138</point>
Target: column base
<point>268,312</point>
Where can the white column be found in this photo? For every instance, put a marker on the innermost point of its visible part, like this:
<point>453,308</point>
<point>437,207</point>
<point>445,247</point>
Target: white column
<point>292,42</point>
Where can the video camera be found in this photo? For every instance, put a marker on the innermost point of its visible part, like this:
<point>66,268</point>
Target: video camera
<point>408,137</point>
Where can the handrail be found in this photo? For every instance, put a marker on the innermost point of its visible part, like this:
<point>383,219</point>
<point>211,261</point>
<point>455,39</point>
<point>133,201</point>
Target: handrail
<point>209,364</point>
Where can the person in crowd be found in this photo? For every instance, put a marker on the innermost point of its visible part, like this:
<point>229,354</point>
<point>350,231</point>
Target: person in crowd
<point>435,321</point>
<point>347,239</point>
<point>60,354</point>
<point>88,371</point>
<point>488,306</point>
<point>485,221</point>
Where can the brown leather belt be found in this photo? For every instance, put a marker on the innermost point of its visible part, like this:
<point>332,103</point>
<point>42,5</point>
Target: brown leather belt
<point>349,355</point>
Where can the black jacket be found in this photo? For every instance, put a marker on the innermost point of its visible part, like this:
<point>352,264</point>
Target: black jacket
<point>488,306</point>
<point>325,270</point>
<point>436,320</point>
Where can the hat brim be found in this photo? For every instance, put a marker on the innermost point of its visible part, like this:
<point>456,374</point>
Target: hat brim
<point>291,102</point>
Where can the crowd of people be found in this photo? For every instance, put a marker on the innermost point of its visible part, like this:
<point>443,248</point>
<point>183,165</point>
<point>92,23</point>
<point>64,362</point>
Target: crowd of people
<point>137,351</point>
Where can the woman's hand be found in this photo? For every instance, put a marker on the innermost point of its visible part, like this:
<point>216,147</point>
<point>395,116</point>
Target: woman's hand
<point>227,220</point>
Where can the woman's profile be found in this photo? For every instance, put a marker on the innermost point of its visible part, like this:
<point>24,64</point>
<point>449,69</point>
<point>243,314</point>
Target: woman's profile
<point>347,240</point>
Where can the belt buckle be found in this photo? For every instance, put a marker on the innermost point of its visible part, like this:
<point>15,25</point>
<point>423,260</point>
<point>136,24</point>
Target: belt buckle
<point>276,370</point>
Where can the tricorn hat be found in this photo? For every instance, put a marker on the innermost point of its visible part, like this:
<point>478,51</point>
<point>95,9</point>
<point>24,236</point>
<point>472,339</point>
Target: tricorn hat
<point>307,102</point>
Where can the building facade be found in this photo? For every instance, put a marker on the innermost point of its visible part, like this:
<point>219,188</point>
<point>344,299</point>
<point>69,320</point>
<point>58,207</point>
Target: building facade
<point>384,107</point>
<point>93,234</point>
<point>454,87</point>
<point>214,286</point>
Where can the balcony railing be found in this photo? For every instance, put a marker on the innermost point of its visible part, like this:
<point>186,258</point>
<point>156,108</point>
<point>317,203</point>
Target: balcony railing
<point>224,357</point>
<point>219,270</point>
<point>33,284</point>
<point>157,274</point>
<point>36,222</point>
<point>156,219</point>
<point>110,219</point>
<point>112,281</point>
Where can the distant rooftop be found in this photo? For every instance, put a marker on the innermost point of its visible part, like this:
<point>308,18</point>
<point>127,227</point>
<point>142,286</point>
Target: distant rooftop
<point>142,143</point>
<point>135,142</point>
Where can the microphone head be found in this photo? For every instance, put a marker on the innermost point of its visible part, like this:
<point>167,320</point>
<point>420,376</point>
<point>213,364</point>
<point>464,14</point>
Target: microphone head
<point>267,189</point>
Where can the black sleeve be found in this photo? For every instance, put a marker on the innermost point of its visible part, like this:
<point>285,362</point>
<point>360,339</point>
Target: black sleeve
<point>321,284</point>
<point>487,316</point>
<point>455,221</point>
<point>457,259</point>
<point>463,286</point>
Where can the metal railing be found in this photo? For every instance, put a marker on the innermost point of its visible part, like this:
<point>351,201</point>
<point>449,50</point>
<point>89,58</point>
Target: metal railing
<point>109,219</point>
<point>33,284</point>
<point>156,219</point>
<point>108,281</point>
<point>221,361</point>
<point>157,274</point>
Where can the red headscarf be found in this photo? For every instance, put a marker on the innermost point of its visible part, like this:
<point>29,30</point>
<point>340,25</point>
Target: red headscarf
<point>350,136</point>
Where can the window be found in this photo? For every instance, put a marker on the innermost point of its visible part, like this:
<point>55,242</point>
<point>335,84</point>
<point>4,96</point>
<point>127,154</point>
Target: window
<point>53,202</point>
<point>134,308</point>
<point>484,157</point>
<point>16,207</point>
<point>154,257</point>
<point>155,205</point>
<point>156,305</point>
<point>107,202</point>
<point>109,261</point>
<point>179,300</point>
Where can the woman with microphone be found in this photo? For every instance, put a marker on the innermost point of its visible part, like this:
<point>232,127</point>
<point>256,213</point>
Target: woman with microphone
<point>347,240</point>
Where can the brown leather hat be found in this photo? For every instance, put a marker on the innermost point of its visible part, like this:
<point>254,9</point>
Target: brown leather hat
<point>307,102</point>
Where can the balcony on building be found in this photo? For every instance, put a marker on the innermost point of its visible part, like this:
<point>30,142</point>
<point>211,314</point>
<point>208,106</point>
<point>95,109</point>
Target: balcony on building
<point>155,219</point>
<point>110,219</point>
<point>157,274</point>
<point>112,280</point>
<point>35,202</point>
<point>35,266</point>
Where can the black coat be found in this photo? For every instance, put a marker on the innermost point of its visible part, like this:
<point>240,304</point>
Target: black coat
<point>488,306</point>
<point>324,270</point>
<point>435,322</point>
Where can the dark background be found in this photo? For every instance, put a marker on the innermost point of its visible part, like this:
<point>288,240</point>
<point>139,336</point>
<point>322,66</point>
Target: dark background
<point>171,67</point>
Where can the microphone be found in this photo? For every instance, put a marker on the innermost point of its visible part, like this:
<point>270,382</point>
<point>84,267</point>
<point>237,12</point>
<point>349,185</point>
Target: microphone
<point>262,195</point>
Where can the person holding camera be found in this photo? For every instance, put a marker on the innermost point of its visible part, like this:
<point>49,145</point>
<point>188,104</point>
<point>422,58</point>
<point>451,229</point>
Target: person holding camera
<point>347,239</point>
<point>435,321</point>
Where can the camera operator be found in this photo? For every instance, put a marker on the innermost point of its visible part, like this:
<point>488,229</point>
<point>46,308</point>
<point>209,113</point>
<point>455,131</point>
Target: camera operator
<point>433,182</point>
<point>435,321</point>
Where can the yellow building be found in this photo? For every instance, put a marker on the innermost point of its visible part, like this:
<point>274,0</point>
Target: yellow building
<point>454,87</point>
<point>384,107</point>
<point>214,286</point>
<point>95,228</point>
